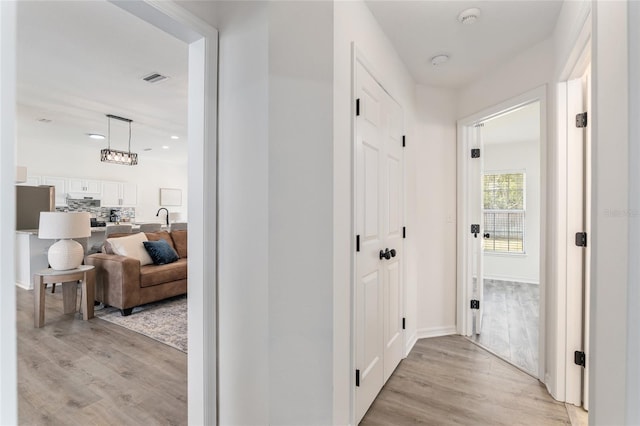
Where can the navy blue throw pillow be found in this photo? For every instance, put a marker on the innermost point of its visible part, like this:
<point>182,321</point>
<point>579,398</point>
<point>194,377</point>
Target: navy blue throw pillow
<point>161,252</point>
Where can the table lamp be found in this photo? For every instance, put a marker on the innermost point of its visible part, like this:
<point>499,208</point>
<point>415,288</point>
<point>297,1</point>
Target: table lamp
<point>65,254</point>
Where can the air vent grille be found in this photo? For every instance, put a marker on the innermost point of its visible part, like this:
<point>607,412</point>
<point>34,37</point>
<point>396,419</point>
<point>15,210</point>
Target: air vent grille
<point>154,78</point>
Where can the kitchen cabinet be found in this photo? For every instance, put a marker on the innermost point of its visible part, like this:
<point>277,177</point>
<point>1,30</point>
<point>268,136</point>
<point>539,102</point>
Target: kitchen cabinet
<point>61,188</point>
<point>84,186</point>
<point>119,194</point>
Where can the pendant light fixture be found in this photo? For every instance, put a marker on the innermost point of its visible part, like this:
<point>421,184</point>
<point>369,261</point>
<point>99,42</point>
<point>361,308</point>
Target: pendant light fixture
<point>108,155</point>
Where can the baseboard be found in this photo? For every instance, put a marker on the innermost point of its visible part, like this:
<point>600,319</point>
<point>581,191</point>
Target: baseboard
<point>424,333</point>
<point>410,343</point>
<point>512,279</point>
<point>25,286</point>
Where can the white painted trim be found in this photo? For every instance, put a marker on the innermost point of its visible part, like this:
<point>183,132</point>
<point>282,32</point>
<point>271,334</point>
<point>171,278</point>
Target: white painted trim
<point>464,126</point>
<point>411,342</point>
<point>8,341</point>
<point>425,333</point>
<point>633,295</point>
<point>513,279</point>
<point>562,384</point>
<point>202,195</point>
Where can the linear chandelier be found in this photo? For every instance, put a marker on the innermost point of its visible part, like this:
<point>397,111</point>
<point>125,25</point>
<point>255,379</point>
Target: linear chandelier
<point>108,155</point>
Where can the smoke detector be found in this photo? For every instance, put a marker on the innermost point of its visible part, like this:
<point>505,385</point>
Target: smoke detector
<point>469,16</point>
<point>439,60</point>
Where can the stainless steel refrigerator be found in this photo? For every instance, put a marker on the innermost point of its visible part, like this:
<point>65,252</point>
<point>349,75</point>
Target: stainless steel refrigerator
<point>30,201</point>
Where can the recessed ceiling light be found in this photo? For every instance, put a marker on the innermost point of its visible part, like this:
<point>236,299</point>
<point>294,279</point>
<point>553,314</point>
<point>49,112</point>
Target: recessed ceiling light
<point>165,146</point>
<point>95,136</point>
<point>439,60</point>
<point>44,120</point>
<point>469,16</point>
<point>175,137</point>
<point>147,149</point>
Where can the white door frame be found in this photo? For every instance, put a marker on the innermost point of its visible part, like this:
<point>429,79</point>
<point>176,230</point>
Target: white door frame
<point>566,384</point>
<point>464,127</point>
<point>358,56</point>
<point>202,152</point>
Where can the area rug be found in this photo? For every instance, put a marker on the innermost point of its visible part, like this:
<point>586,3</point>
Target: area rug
<point>164,321</point>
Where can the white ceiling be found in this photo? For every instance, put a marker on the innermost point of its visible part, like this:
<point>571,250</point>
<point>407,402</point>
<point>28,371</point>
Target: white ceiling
<point>80,60</point>
<point>420,30</point>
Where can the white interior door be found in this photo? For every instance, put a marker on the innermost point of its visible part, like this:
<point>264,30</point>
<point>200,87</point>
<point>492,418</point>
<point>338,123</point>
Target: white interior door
<point>587,254</point>
<point>379,215</point>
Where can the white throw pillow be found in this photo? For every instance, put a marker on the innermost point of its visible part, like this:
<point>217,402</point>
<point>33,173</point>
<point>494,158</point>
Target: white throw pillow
<point>131,246</point>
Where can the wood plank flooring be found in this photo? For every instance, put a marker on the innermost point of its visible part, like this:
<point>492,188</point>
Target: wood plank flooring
<point>510,322</point>
<point>451,381</point>
<point>74,372</point>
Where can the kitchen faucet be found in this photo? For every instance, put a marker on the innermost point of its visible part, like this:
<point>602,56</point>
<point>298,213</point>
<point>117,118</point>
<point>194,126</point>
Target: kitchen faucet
<point>165,209</point>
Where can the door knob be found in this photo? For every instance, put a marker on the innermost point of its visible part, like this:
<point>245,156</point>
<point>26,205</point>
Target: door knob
<point>392,252</point>
<point>486,236</point>
<point>385,254</point>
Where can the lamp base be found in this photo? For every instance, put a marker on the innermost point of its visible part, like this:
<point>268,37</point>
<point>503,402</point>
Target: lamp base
<point>65,254</point>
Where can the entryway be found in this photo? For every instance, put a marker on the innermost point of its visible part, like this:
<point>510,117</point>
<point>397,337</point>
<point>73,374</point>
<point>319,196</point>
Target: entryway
<point>509,184</point>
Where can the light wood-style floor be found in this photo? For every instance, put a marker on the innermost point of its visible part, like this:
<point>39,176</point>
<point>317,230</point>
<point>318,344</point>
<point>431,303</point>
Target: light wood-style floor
<point>74,372</point>
<point>451,381</point>
<point>510,322</point>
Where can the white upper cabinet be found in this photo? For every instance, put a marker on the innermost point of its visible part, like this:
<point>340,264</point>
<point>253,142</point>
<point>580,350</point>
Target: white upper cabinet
<point>61,188</point>
<point>116,194</point>
<point>84,186</point>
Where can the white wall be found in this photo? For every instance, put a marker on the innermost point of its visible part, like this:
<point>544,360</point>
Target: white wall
<point>611,217</point>
<point>517,157</point>
<point>275,282</point>
<point>243,214</point>
<point>8,342</point>
<point>435,218</point>
<point>57,158</point>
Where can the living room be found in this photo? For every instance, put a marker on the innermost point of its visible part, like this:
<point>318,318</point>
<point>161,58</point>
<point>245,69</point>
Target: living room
<point>96,57</point>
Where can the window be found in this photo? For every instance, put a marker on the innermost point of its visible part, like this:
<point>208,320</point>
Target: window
<point>503,210</point>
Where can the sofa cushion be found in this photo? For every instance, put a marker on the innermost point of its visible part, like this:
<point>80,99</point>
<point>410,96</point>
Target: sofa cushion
<point>151,275</point>
<point>161,252</point>
<point>131,246</point>
<point>161,235</point>
<point>180,242</point>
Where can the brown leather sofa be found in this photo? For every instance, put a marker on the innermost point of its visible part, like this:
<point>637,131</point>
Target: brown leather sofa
<point>121,281</point>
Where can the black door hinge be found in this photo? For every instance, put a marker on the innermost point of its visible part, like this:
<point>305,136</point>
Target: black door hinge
<point>404,232</point>
<point>357,242</point>
<point>475,153</point>
<point>581,120</point>
<point>358,378</point>
<point>357,107</point>
<point>403,141</point>
<point>475,304</point>
<point>581,239</point>
<point>580,358</point>
<point>404,323</point>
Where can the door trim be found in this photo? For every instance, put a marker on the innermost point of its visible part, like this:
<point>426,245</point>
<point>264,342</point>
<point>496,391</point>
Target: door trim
<point>463,281</point>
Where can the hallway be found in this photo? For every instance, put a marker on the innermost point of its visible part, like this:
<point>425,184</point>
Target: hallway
<point>451,381</point>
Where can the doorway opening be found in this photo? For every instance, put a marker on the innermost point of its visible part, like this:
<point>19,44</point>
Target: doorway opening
<point>501,195</point>
<point>509,183</point>
<point>202,165</point>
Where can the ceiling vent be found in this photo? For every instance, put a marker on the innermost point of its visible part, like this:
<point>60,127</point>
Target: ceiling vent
<point>154,78</point>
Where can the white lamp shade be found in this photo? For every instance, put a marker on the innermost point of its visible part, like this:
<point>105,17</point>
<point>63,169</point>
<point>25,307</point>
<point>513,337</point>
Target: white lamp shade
<point>61,225</point>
